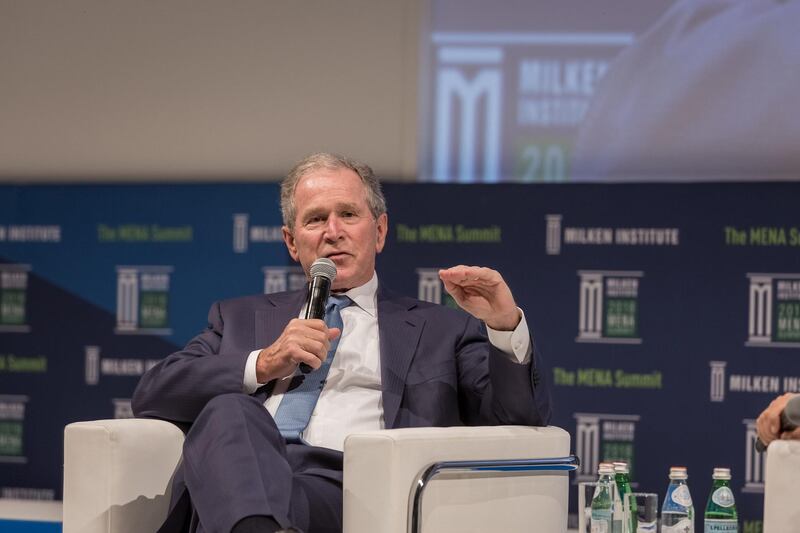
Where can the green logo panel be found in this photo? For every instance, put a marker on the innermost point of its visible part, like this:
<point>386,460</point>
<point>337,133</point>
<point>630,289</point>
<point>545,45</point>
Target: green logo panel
<point>788,326</point>
<point>614,450</point>
<point>449,301</point>
<point>153,309</point>
<point>12,307</point>
<point>11,438</point>
<point>621,318</point>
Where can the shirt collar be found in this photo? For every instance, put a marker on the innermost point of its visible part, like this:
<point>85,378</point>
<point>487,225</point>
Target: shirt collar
<point>365,296</point>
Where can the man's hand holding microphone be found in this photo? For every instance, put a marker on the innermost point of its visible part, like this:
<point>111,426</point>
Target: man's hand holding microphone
<point>780,420</point>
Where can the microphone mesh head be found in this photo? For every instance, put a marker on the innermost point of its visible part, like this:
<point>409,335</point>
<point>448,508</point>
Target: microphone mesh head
<point>792,410</point>
<point>324,267</point>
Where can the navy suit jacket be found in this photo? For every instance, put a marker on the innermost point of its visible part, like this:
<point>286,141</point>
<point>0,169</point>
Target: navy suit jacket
<point>437,369</point>
<point>437,366</point>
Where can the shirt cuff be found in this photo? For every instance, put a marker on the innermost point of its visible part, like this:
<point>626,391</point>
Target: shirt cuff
<point>514,344</point>
<point>251,383</point>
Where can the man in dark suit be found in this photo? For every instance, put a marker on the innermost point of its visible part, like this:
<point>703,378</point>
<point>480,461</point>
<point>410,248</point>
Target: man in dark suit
<point>398,362</point>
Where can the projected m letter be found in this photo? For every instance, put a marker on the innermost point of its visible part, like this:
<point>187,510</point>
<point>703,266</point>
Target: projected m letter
<point>468,99</point>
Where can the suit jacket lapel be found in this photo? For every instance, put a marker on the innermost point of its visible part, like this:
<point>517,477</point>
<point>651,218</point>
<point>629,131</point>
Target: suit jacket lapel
<point>271,319</point>
<point>399,333</point>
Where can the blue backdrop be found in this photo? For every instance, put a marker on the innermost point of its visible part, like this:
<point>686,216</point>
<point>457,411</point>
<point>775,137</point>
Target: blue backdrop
<point>668,315</point>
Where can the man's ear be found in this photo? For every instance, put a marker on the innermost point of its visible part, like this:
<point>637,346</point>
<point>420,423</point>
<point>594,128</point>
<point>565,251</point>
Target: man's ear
<point>288,239</point>
<point>382,229</point>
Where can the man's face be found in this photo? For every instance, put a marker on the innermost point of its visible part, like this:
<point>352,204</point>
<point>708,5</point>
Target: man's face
<point>333,220</point>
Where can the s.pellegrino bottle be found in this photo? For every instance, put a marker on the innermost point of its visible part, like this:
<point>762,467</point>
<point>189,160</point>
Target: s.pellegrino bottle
<point>677,513</point>
<point>721,508</point>
<point>627,505</point>
<point>602,517</point>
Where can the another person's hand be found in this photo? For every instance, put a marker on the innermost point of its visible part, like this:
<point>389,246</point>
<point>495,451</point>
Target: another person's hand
<point>302,341</point>
<point>484,294</point>
<point>768,423</point>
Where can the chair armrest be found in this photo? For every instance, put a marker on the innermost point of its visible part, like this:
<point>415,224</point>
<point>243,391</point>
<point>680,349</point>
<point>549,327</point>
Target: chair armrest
<point>781,512</point>
<point>381,467</point>
<point>118,474</point>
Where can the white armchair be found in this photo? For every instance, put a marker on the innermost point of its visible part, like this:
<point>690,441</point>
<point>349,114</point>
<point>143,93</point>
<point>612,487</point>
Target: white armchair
<point>781,511</point>
<point>118,474</point>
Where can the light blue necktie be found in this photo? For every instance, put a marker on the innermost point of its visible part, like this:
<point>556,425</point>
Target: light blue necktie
<point>298,402</point>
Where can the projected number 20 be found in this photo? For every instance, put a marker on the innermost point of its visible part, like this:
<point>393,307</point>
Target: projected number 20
<point>543,163</point>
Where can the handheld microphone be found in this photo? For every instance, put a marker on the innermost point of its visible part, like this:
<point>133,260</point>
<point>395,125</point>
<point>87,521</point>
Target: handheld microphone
<point>790,419</point>
<point>322,272</point>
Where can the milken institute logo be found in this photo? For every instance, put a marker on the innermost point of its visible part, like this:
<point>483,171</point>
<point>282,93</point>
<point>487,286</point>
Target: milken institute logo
<point>774,311</point>
<point>603,437</point>
<point>143,300</point>
<point>13,298</point>
<point>283,278</point>
<point>12,421</point>
<point>609,306</point>
<point>244,233</point>
<point>96,366</point>
<point>753,460</point>
<point>430,288</point>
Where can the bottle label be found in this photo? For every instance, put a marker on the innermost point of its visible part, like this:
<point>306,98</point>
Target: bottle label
<point>681,496</point>
<point>684,525</point>
<point>723,497</point>
<point>721,526</point>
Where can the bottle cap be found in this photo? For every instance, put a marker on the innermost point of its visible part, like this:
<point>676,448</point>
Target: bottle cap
<point>678,472</point>
<point>621,467</point>
<point>605,468</point>
<point>722,473</point>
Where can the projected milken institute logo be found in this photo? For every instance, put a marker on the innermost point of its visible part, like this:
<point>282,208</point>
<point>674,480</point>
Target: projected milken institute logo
<point>774,311</point>
<point>609,306</point>
<point>143,300</point>
<point>508,104</point>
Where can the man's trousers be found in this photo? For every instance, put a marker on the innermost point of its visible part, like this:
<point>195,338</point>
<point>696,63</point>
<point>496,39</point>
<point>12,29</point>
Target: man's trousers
<point>236,464</point>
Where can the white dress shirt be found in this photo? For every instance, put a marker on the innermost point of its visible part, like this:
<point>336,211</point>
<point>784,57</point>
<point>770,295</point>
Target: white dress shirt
<point>356,372</point>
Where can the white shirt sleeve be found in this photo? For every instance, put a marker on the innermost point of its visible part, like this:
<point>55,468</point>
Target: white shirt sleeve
<point>251,383</point>
<point>515,344</point>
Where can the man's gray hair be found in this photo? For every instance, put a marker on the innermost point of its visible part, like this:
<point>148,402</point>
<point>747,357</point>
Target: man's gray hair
<point>323,160</point>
